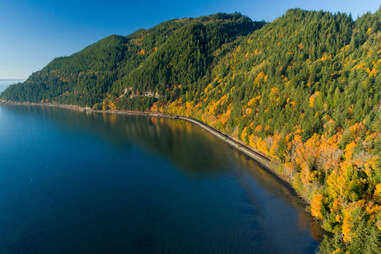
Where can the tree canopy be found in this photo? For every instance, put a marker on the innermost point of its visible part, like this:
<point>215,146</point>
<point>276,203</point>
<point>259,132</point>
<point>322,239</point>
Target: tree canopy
<point>304,89</point>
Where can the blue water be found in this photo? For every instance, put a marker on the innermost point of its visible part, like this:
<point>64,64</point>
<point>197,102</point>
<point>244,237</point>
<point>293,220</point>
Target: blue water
<point>73,182</point>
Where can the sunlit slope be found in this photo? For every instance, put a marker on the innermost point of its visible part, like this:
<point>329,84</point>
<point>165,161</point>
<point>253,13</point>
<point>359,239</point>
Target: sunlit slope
<point>174,52</point>
<point>304,89</point>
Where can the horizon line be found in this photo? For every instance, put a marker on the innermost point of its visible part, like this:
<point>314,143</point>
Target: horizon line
<point>11,78</point>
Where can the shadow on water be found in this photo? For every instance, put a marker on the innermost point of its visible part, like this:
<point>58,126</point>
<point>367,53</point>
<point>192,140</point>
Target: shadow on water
<point>178,141</point>
<point>197,153</point>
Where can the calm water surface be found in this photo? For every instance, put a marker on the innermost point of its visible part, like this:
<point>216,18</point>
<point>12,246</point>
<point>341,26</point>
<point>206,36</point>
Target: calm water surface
<point>96,183</point>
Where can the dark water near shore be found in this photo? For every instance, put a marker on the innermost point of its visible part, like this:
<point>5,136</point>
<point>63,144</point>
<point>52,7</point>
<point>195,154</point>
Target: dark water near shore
<point>77,183</point>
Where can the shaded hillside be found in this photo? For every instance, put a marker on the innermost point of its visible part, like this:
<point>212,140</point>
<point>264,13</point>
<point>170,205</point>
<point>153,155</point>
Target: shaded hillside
<point>172,53</point>
<point>304,89</point>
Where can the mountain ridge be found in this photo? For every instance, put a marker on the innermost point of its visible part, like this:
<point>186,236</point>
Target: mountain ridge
<point>304,89</point>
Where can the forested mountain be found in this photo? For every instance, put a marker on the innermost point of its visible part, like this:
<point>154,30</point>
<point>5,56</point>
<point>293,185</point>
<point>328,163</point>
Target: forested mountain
<point>152,61</point>
<point>304,89</point>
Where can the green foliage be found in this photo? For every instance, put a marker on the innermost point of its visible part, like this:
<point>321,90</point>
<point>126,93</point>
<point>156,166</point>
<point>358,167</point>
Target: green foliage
<point>174,53</point>
<point>307,73</point>
<point>137,103</point>
<point>367,240</point>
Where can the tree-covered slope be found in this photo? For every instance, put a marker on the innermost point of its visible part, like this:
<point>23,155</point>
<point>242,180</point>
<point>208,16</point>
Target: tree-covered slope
<point>304,89</point>
<point>174,52</point>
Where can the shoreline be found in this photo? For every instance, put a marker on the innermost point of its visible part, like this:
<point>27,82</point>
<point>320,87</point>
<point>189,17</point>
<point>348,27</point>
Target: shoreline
<point>266,163</point>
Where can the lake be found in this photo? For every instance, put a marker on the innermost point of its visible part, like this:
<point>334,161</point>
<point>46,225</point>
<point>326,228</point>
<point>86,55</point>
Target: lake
<point>73,182</point>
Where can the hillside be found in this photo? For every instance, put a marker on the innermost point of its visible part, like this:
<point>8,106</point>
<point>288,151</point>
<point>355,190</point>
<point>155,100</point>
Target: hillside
<point>153,61</point>
<point>305,89</point>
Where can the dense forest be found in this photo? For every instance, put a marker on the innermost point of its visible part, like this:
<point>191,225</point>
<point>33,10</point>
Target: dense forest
<point>304,89</point>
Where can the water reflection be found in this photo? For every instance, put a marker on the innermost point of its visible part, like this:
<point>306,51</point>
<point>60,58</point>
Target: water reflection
<point>178,141</point>
<point>264,206</point>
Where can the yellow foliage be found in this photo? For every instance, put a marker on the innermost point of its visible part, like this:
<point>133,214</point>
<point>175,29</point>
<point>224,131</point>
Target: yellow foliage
<point>253,101</point>
<point>141,52</point>
<point>313,98</point>
<point>252,140</point>
<point>345,48</point>
<point>208,87</point>
<point>325,57</point>
<point>274,91</point>
<point>347,225</point>
<point>274,143</point>
<point>373,72</point>
<point>108,105</point>
<point>261,145</point>
<point>372,208</point>
<point>349,149</point>
<point>189,108</point>
<point>244,134</point>
<point>112,105</point>
<point>377,193</point>
<point>258,128</point>
<point>261,76</point>
<point>336,184</point>
<point>225,117</point>
<point>359,66</point>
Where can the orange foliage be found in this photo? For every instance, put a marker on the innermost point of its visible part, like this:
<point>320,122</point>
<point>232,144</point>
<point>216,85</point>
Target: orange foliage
<point>261,76</point>
<point>347,225</point>
<point>316,205</point>
<point>313,98</point>
<point>141,52</point>
<point>253,100</point>
<point>258,128</point>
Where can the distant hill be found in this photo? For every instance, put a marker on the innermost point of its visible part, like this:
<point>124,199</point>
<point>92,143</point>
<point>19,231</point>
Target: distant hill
<point>4,83</point>
<point>155,60</point>
<point>304,89</point>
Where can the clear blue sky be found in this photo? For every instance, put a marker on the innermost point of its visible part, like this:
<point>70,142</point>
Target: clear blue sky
<point>33,32</point>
